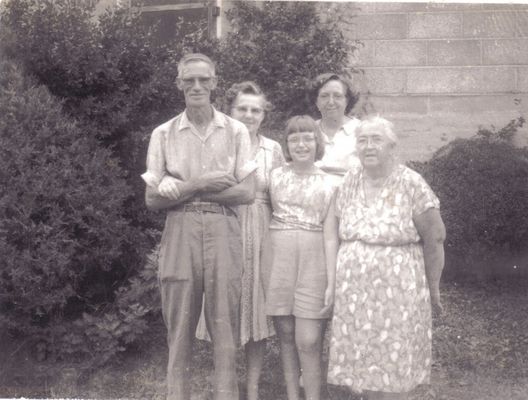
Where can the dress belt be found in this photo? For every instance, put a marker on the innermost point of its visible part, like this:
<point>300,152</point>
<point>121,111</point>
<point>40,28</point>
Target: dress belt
<point>204,208</point>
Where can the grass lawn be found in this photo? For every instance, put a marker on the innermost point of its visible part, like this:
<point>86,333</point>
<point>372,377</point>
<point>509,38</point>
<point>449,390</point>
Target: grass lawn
<point>480,353</point>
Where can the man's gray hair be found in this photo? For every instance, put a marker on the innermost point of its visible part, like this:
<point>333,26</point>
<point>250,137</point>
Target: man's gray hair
<point>194,57</point>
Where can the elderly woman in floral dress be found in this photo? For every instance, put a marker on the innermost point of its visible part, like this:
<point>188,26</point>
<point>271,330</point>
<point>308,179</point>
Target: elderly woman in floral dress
<point>389,266</point>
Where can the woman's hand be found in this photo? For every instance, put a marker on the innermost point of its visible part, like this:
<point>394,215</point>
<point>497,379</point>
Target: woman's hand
<point>331,244</point>
<point>432,231</point>
<point>329,296</point>
<point>436,304</point>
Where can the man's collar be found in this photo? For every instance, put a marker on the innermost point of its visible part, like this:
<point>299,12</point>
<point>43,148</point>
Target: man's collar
<point>218,120</point>
<point>264,143</point>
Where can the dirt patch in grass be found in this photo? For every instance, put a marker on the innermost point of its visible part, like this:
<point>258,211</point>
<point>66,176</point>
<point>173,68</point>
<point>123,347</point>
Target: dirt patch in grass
<point>480,353</point>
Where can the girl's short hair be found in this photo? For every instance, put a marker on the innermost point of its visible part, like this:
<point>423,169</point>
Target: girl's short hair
<point>304,123</point>
<point>320,80</point>
<point>375,121</point>
<point>245,87</point>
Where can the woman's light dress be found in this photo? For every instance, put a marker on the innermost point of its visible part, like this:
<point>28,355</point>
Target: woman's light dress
<point>254,222</point>
<point>381,330</point>
<point>340,151</point>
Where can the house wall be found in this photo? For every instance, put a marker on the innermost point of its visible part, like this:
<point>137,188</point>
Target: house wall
<point>438,70</point>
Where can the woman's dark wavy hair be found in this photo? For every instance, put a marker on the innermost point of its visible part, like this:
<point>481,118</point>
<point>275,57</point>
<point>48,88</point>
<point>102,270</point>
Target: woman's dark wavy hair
<point>320,80</point>
<point>304,123</point>
<point>245,87</point>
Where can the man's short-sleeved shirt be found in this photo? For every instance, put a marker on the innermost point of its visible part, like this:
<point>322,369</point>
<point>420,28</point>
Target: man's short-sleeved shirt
<point>177,149</point>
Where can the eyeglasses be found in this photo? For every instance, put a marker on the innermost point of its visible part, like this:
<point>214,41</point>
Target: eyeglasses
<point>374,141</point>
<point>253,110</point>
<point>202,80</point>
<point>327,96</point>
<point>304,139</point>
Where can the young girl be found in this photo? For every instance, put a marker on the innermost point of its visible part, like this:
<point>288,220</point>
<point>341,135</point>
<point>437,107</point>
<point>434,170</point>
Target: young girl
<point>300,253</point>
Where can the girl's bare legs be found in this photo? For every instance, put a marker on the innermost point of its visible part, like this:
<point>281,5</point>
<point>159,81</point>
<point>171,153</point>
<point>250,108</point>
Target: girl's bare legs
<point>254,360</point>
<point>309,339</point>
<point>325,356</point>
<point>285,327</point>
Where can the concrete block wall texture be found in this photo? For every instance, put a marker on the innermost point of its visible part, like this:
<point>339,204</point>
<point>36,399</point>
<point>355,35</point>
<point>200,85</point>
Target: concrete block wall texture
<point>438,70</point>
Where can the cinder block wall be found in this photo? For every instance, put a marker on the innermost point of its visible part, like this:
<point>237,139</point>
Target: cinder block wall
<point>438,70</point>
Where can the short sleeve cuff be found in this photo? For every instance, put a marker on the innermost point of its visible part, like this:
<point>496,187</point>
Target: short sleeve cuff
<point>247,169</point>
<point>431,203</point>
<point>151,179</point>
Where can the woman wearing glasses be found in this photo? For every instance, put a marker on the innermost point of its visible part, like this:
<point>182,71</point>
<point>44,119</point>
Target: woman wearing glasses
<point>334,99</point>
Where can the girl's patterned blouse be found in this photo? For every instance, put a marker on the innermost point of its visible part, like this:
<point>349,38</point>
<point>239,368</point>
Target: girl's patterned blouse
<point>299,200</point>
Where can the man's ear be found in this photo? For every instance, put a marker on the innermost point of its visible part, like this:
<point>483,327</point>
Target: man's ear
<point>179,84</point>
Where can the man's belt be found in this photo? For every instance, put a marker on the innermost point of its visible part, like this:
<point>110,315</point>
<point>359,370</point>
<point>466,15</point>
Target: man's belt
<point>205,208</point>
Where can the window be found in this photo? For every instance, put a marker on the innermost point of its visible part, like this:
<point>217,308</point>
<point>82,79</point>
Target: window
<point>169,13</point>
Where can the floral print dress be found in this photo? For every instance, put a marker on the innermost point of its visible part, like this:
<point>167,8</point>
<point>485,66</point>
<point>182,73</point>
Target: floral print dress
<point>254,222</point>
<point>381,330</point>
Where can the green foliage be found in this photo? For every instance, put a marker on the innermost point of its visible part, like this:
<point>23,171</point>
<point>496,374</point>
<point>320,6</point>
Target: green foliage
<point>482,184</point>
<point>102,336</point>
<point>109,73</point>
<point>65,243</point>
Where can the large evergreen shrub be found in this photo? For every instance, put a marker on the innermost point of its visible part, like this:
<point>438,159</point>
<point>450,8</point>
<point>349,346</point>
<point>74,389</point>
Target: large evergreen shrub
<point>109,72</point>
<point>65,243</point>
<point>482,184</point>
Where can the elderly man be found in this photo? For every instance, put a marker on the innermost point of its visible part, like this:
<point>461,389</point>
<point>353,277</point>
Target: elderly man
<point>198,169</point>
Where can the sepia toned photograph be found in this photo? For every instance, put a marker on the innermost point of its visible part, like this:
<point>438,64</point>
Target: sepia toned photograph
<point>263,200</point>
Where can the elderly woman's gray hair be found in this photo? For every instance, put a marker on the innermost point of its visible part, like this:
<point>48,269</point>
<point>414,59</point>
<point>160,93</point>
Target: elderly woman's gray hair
<point>246,87</point>
<point>379,123</point>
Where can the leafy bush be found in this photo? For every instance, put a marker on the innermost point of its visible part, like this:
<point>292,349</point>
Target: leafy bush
<point>99,337</point>
<point>110,74</point>
<point>482,184</point>
<point>64,243</point>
